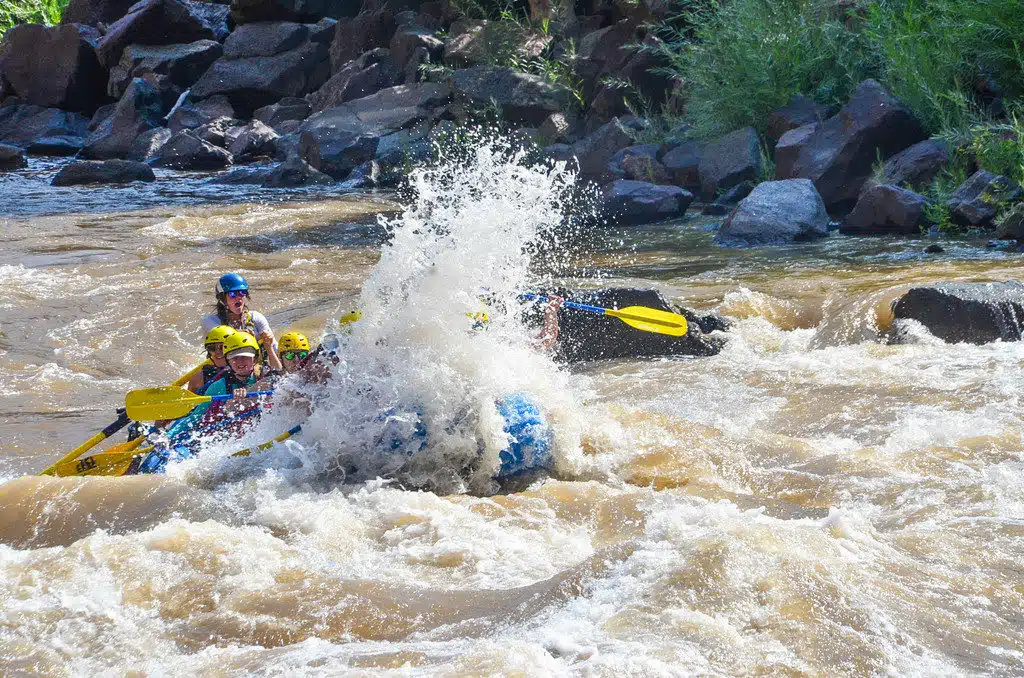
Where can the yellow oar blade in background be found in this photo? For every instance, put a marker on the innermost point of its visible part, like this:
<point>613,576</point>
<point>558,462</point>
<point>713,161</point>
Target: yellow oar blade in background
<point>162,402</point>
<point>650,320</point>
<point>112,462</point>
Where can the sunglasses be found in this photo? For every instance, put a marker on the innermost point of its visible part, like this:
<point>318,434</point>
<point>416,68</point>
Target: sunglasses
<point>235,294</point>
<point>292,355</point>
<point>215,348</point>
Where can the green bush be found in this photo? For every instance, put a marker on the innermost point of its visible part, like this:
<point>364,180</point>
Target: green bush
<point>13,12</point>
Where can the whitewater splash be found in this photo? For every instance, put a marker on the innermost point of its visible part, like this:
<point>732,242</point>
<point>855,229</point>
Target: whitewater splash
<point>418,361</point>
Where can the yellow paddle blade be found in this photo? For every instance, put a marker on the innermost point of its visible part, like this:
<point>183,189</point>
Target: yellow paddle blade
<point>162,402</point>
<point>113,462</point>
<point>650,320</point>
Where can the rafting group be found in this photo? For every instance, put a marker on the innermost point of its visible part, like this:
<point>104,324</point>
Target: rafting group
<point>225,395</point>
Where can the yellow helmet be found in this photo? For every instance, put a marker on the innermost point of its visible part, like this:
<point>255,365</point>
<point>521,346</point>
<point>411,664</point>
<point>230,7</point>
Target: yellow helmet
<point>240,344</point>
<point>293,341</point>
<point>350,317</point>
<point>218,334</point>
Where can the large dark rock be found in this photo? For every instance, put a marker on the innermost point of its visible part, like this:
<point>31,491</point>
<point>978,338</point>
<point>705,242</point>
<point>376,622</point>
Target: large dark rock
<point>727,202</point>
<point>52,67</point>
<point>776,212</point>
<point>187,152</point>
<point>916,166</point>
<point>411,37</point>
<point>248,11</point>
<point>105,172</point>
<point>92,12</point>
<point>798,112</point>
<point>523,98</point>
<point>683,163</point>
<point>886,210</point>
<point>149,143</point>
<point>595,150</point>
<point>977,200</point>
<point>338,139</point>
<point>974,313</point>
<point>838,154</point>
<point>256,140</point>
<point>585,337</point>
<point>252,75</point>
<point>628,202</point>
<point>609,46</point>
<point>289,108</point>
<point>151,22</point>
<point>214,16</point>
<point>182,64</point>
<point>296,172</point>
<point>368,30</point>
<point>11,158</point>
<point>1010,226</point>
<point>139,110</point>
<point>729,160</point>
<point>25,124</point>
<point>639,162</point>
<point>219,132</point>
<point>359,78</point>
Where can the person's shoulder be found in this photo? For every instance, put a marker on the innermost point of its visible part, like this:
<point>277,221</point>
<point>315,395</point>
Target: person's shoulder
<point>219,387</point>
<point>210,321</point>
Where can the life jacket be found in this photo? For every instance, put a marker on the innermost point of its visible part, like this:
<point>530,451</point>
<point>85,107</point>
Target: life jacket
<point>211,373</point>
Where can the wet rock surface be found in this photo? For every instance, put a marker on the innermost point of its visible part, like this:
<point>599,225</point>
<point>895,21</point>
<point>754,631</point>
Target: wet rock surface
<point>103,172</point>
<point>975,313</point>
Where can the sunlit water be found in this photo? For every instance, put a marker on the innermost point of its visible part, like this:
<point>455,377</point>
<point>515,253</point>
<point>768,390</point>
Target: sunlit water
<point>812,501</point>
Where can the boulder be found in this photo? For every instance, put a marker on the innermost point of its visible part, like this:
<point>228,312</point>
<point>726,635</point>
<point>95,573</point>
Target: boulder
<point>977,200</point>
<point>886,210</point>
<point>609,46</point>
<point>1010,226</point>
<point>776,212</point>
<point>185,151</point>
<point>916,166</point>
<point>585,337</point>
<point>472,42</point>
<point>151,22</point>
<point>405,147</point>
<point>523,98</point>
<point>182,64</point>
<point>243,176</point>
<point>216,131</point>
<point>683,163</point>
<point>798,112</point>
<point>725,203</point>
<point>191,115</point>
<point>52,67</point>
<point>639,162</point>
<point>248,11</point>
<point>838,154</point>
<point>556,128</point>
<point>729,160</point>
<point>103,172</point>
<point>214,16</point>
<point>149,143</point>
<point>11,158</point>
<point>368,30</point>
<point>92,12</point>
<point>410,37</point>
<point>595,150</point>
<point>974,313</point>
<point>338,139</point>
<point>101,114</point>
<point>23,124</point>
<point>289,108</point>
<point>629,202</point>
<point>140,109</point>
<point>60,145</point>
<point>296,172</point>
<point>362,177</point>
<point>360,78</point>
<point>256,140</point>
<point>251,74</point>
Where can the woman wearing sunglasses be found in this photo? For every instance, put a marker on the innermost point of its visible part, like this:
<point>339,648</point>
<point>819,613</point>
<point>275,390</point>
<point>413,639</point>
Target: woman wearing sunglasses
<point>232,300</point>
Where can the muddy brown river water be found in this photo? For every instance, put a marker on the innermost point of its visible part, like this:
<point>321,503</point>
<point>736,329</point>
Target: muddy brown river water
<point>810,502</point>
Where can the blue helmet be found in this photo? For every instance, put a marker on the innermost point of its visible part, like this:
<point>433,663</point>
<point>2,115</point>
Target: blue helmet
<point>231,282</point>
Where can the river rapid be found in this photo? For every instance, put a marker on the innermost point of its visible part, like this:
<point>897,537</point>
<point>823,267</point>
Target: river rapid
<point>812,501</point>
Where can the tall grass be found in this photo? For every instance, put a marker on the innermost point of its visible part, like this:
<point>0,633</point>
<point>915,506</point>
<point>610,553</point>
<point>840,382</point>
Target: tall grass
<point>13,12</point>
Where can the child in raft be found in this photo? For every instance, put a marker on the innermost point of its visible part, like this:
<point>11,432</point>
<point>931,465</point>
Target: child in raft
<point>232,292</point>
<point>217,365</point>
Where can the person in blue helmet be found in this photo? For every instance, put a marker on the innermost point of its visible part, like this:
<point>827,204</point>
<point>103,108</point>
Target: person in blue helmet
<point>232,309</point>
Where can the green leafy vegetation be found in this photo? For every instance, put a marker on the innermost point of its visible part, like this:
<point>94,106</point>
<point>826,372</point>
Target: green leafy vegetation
<point>13,12</point>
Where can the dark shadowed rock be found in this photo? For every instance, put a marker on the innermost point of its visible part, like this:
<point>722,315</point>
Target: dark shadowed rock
<point>558,127</point>
<point>639,162</point>
<point>472,42</point>
<point>884,210</point>
<point>214,16</point>
<point>410,37</point>
<point>182,64</point>
<point>916,166</point>
<point>151,22</point>
<point>725,203</point>
<point>60,145</point>
<point>1010,226</point>
<point>977,200</point>
<point>838,154</point>
<point>340,138</point>
<point>139,110</point>
<point>11,158</point>
<point>296,172</point>
<point>248,11</point>
<point>244,176</point>
<point>729,160</point>
<point>252,75</point>
<point>52,67</point>
<point>256,140</point>
<point>595,150</point>
<point>24,124</point>
<point>637,202</point>
<point>585,337</point>
<point>187,152</point>
<point>776,212</point>
<point>608,46</point>
<point>289,108</point>
<point>683,163</point>
<point>798,112</point>
<point>101,114</point>
<point>364,176</point>
<point>216,131</point>
<point>974,313</point>
<point>92,12</point>
<point>149,143</point>
<point>359,78</point>
<point>368,30</point>
<point>103,172</point>
<point>523,98</point>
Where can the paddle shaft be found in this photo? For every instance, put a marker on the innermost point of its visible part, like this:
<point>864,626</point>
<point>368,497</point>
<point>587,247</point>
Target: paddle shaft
<point>568,304</point>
